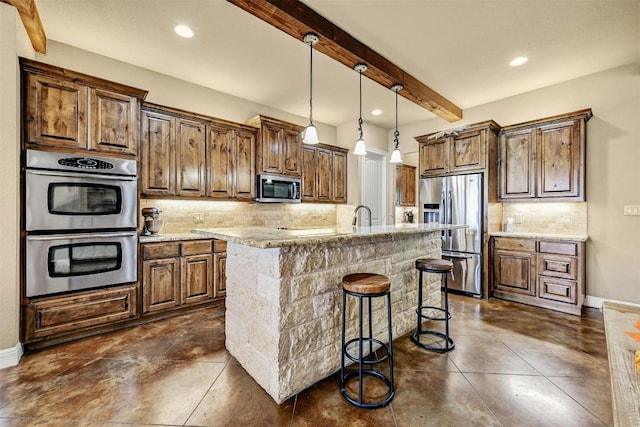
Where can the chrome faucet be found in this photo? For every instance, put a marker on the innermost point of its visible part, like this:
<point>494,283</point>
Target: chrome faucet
<point>355,214</point>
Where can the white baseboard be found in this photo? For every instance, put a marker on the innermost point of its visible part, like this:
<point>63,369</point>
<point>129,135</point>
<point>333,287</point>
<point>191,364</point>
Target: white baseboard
<point>10,356</point>
<point>596,302</point>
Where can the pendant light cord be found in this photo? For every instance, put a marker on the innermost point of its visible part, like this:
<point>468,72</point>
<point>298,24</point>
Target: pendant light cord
<point>311,83</point>
<point>396,134</point>
<point>360,118</point>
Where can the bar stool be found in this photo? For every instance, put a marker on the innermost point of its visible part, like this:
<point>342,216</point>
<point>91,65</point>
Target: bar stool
<point>438,266</point>
<point>370,351</point>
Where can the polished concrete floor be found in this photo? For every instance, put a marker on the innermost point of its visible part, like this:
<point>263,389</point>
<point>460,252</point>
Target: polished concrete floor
<point>512,365</point>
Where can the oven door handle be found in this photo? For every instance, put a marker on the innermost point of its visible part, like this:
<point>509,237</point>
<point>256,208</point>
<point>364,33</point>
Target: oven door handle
<point>82,236</point>
<point>81,175</point>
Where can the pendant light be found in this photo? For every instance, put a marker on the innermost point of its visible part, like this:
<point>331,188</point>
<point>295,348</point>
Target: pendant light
<point>360,149</point>
<point>395,154</point>
<point>310,134</point>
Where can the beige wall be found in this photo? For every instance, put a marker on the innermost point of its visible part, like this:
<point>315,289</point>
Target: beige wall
<point>613,159</point>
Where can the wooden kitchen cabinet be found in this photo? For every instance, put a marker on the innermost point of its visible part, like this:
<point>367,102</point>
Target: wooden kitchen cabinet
<point>187,155</point>
<point>405,185</point>
<point>279,146</point>
<point>73,111</point>
<point>220,263</point>
<point>176,274</point>
<point>324,177</point>
<point>541,272</point>
<point>456,151</point>
<point>544,160</point>
<point>56,316</point>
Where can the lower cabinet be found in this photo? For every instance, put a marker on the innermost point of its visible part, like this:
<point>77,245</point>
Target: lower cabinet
<point>57,315</point>
<point>545,273</point>
<point>181,273</point>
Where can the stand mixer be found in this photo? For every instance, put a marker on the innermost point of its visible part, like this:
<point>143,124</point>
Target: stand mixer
<point>152,222</point>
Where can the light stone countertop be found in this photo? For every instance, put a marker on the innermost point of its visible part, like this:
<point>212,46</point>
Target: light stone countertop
<point>265,237</point>
<point>579,238</point>
<point>168,237</point>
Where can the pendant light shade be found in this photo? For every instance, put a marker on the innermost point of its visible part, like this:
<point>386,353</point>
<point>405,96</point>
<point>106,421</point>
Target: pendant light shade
<point>395,154</point>
<point>361,148</point>
<point>311,133</point>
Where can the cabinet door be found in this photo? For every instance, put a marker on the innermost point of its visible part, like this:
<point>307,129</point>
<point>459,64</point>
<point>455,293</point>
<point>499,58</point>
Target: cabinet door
<point>55,315</point>
<point>405,185</point>
<point>467,151</point>
<point>220,285</point>
<point>517,165</point>
<point>56,112</point>
<point>324,160</point>
<point>514,273</point>
<point>220,167</point>
<point>160,284</point>
<point>113,122</point>
<point>559,160</point>
<point>157,159</point>
<point>434,157</point>
<point>190,158</point>
<point>309,174</point>
<point>244,165</point>
<point>270,148</point>
<point>197,278</point>
<point>291,153</point>
<point>339,170</point>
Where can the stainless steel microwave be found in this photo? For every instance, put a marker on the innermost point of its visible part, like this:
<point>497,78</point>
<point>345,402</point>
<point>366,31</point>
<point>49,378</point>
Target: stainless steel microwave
<point>278,189</point>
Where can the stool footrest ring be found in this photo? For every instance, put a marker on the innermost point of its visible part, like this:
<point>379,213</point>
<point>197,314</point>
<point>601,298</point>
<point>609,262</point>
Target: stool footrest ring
<point>447,345</point>
<point>427,317</point>
<point>365,359</point>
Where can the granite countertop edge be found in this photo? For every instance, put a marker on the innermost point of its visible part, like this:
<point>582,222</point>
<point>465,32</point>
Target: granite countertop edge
<point>547,236</point>
<point>265,238</point>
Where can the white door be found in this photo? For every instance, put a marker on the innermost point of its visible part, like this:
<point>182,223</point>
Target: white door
<point>374,186</point>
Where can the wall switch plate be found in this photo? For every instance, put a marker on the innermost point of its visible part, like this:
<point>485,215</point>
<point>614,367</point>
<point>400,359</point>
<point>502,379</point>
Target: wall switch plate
<point>517,218</point>
<point>199,217</point>
<point>631,210</point>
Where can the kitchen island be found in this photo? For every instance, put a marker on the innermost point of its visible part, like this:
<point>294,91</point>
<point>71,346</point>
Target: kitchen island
<point>284,299</point>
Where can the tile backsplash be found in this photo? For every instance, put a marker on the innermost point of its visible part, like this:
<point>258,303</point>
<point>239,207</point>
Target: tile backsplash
<point>547,218</point>
<point>179,215</point>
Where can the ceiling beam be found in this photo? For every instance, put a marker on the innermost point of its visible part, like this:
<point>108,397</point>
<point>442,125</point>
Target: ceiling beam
<point>296,19</point>
<point>31,20</point>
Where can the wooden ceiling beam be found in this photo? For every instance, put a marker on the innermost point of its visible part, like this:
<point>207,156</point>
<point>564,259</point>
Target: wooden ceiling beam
<point>297,19</point>
<point>31,20</point>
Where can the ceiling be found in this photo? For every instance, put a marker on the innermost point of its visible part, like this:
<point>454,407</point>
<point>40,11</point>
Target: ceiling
<point>459,48</point>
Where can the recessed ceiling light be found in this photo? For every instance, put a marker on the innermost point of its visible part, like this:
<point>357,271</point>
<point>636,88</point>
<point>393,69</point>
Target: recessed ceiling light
<point>376,112</point>
<point>518,61</point>
<point>183,31</point>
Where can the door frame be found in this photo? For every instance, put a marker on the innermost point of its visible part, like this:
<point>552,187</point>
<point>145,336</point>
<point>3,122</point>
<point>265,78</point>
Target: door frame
<point>381,155</point>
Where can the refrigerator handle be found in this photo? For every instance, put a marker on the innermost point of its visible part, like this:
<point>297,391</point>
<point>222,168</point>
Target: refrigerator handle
<point>443,211</point>
<point>450,209</point>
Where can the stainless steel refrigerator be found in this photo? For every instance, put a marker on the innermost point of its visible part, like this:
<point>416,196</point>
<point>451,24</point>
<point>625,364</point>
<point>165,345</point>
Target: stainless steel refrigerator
<point>457,200</point>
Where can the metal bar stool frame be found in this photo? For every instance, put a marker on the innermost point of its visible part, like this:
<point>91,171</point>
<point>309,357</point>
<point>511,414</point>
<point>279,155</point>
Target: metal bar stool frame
<point>362,371</point>
<point>447,344</point>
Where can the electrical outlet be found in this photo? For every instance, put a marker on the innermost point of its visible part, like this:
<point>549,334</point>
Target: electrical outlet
<point>631,210</point>
<point>199,217</point>
<point>517,218</point>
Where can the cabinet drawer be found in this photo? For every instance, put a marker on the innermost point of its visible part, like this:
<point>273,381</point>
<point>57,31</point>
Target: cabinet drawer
<point>557,289</point>
<point>196,247</point>
<point>74,312</point>
<point>561,248</point>
<point>511,243</point>
<point>219,246</point>
<point>160,250</point>
<point>558,266</point>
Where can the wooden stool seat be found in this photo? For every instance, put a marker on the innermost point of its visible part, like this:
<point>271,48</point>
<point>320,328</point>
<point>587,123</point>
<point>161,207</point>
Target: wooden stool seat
<point>366,283</point>
<point>435,265</point>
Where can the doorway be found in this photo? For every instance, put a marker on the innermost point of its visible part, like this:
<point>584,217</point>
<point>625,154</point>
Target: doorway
<point>373,183</point>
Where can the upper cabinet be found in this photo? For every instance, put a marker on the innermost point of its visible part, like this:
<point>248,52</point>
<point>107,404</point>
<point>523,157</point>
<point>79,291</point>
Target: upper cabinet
<point>73,111</point>
<point>187,155</point>
<point>405,185</point>
<point>456,151</point>
<point>279,146</point>
<point>324,169</point>
<point>544,159</point>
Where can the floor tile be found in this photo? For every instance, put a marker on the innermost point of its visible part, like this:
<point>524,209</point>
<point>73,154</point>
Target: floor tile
<point>528,401</point>
<point>594,394</point>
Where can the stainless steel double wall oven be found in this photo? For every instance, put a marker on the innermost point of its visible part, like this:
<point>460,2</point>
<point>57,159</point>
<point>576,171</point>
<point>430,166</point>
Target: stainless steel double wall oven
<point>80,222</point>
